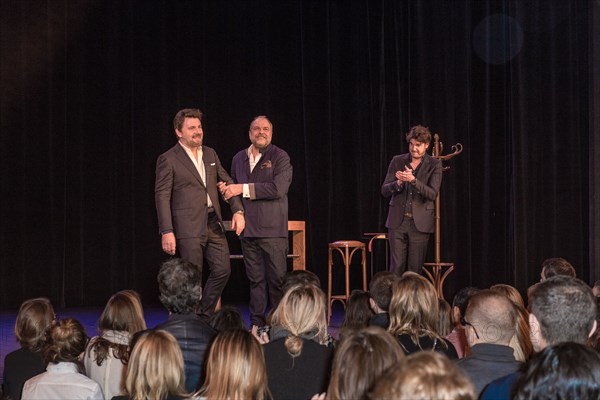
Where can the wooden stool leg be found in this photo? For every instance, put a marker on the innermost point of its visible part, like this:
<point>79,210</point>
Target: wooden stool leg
<point>347,265</point>
<point>330,263</point>
<point>364,268</point>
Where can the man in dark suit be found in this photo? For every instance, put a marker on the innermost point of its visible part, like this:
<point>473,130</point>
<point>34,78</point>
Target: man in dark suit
<point>263,175</point>
<point>187,204</point>
<point>412,183</point>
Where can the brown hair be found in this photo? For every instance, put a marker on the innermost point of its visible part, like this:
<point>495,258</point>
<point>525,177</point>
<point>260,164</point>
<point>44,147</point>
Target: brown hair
<point>359,360</point>
<point>235,368</point>
<point>420,133</point>
<point>557,266</point>
<point>380,288</point>
<point>66,340</point>
<point>414,308</point>
<point>34,317</point>
<point>510,292</point>
<point>123,312</point>
<point>424,375</point>
<point>445,324</point>
<point>183,114</point>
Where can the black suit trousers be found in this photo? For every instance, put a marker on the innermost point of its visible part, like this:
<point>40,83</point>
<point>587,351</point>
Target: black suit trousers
<point>216,253</point>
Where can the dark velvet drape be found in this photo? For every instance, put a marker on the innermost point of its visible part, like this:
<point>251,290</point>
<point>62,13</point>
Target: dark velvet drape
<point>88,90</point>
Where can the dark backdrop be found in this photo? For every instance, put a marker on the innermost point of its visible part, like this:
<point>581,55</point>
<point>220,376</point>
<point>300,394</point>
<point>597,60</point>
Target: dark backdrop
<point>88,90</point>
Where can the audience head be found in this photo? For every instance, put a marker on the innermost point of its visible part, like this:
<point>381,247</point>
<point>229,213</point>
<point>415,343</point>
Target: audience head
<point>66,340</point>
<point>510,292</point>
<point>460,302</point>
<point>180,286</point>
<point>155,369</point>
<point>358,312</point>
<point>227,319</point>
<point>556,266</point>
<point>359,360</point>
<point>562,371</point>
<point>445,324</point>
<point>301,312</point>
<point>414,307</point>
<point>380,290</point>
<point>123,312</point>
<point>235,368</point>
<point>34,317</point>
<point>596,289</point>
<point>422,376</point>
<point>563,309</point>
<point>491,317</point>
<point>299,277</point>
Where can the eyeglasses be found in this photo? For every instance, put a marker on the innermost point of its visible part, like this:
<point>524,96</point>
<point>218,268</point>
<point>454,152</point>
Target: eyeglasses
<point>465,323</point>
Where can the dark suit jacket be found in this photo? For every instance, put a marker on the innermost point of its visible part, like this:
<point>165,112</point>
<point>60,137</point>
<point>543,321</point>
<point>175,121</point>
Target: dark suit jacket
<point>429,179</point>
<point>180,194</point>
<point>267,208</point>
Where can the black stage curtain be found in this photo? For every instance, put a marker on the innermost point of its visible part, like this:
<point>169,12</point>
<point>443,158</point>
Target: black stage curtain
<point>88,90</point>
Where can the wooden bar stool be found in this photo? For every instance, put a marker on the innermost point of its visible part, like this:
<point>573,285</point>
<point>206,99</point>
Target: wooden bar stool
<point>346,248</point>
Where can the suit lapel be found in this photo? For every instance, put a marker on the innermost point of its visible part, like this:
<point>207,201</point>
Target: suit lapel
<point>184,159</point>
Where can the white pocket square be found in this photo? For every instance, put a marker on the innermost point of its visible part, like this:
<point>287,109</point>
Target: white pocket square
<point>212,164</point>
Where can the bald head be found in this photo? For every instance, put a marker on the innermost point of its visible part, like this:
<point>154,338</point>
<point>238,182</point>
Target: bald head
<point>493,316</point>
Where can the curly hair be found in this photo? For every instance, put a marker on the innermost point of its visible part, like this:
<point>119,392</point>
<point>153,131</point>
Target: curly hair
<point>180,286</point>
<point>420,133</point>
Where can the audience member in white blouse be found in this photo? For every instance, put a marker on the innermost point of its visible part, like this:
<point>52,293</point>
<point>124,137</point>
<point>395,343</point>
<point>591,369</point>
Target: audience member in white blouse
<point>63,378</point>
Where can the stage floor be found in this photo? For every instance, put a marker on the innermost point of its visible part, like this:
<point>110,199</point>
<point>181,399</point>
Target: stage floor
<point>88,316</point>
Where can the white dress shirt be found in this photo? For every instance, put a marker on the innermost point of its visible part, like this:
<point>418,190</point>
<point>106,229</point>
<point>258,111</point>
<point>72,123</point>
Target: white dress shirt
<point>61,381</point>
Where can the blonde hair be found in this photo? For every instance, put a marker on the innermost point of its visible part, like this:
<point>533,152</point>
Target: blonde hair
<point>155,368</point>
<point>235,368</point>
<point>424,375</point>
<point>301,311</point>
<point>521,341</point>
<point>33,319</point>
<point>359,360</point>
<point>414,308</point>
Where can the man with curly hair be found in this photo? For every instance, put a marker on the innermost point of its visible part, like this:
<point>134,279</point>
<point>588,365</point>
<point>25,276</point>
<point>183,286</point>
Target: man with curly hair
<point>179,283</point>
